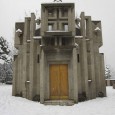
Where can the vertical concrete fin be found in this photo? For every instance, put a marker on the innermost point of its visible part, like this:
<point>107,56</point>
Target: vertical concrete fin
<point>102,72</point>
<point>83,24</point>
<point>88,27</point>
<point>90,54</point>
<point>42,77</point>
<point>25,58</point>
<point>75,75</point>
<point>84,67</point>
<point>32,56</point>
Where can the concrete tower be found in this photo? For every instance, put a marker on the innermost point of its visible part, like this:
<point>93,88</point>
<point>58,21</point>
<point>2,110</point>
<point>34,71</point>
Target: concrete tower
<point>59,59</point>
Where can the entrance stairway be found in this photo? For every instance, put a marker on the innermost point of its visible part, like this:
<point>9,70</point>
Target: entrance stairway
<point>59,102</point>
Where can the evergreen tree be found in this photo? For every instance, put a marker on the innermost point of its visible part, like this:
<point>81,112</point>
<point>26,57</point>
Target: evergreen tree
<point>107,72</point>
<point>6,68</point>
<point>4,50</point>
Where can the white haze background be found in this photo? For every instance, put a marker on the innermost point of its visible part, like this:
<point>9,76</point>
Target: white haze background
<point>12,11</point>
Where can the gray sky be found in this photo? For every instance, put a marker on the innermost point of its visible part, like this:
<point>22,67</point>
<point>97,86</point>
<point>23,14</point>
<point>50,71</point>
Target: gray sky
<point>12,11</point>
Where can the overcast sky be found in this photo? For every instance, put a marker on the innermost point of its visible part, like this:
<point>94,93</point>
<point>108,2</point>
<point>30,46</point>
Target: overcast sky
<point>12,11</point>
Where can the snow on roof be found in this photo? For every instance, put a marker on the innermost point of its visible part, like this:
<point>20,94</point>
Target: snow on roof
<point>19,30</point>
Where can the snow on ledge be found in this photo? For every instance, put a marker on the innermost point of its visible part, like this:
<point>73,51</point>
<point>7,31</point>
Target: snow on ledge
<point>41,45</point>
<point>110,79</point>
<point>76,44</point>
<point>28,41</point>
<point>89,80</point>
<point>78,36</point>
<point>57,31</point>
<point>18,30</point>
<point>97,29</point>
<point>37,37</point>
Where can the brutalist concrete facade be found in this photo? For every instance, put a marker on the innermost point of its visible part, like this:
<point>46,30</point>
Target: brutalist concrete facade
<point>58,40</point>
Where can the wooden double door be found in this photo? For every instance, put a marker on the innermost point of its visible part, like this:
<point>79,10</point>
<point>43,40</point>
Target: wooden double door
<point>58,81</point>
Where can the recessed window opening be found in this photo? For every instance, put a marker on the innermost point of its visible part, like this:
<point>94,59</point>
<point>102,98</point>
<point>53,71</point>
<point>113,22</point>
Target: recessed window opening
<point>64,12</point>
<point>78,58</point>
<point>65,27</point>
<point>63,41</point>
<point>50,27</point>
<point>52,41</point>
<point>51,12</point>
<point>57,40</point>
<point>38,59</point>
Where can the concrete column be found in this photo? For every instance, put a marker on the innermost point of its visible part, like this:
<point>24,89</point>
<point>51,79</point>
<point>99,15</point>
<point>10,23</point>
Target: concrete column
<point>108,83</point>
<point>56,41</point>
<point>35,76</point>
<point>75,79</point>
<point>84,67</point>
<point>82,25</point>
<point>91,70</point>
<point>38,69</point>
<point>32,56</point>
<point>90,51</point>
<point>83,57</point>
<point>69,20</point>
<point>44,21</point>
<point>60,41</point>
<point>73,22</point>
<point>20,69</point>
<point>15,75</point>
<point>97,68</point>
<point>25,58</point>
<point>42,77</point>
<point>17,66</point>
<point>79,78</point>
<point>97,41</point>
<point>15,69</point>
<point>102,74</point>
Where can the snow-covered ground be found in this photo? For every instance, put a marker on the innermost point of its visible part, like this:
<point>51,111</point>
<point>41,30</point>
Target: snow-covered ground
<point>10,105</point>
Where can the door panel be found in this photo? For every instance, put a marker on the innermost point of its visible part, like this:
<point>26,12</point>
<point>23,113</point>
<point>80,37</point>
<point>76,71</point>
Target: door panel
<point>54,81</point>
<point>63,81</point>
<point>58,81</point>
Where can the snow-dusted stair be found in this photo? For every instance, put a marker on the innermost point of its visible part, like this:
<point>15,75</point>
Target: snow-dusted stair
<point>60,102</point>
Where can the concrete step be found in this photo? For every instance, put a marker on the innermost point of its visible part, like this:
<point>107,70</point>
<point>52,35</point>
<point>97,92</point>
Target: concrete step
<point>59,102</point>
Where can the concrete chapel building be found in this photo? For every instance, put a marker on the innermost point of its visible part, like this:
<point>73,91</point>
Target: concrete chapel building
<point>58,57</point>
